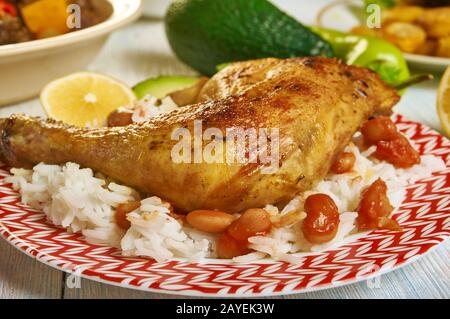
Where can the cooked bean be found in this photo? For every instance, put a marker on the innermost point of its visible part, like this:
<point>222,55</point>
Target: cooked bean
<point>322,219</point>
<point>229,247</point>
<point>343,163</point>
<point>378,129</point>
<point>209,221</point>
<point>121,213</point>
<point>253,221</point>
<point>120,117</point>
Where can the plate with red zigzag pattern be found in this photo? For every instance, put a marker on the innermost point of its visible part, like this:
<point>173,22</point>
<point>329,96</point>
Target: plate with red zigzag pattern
<point>424,216</point>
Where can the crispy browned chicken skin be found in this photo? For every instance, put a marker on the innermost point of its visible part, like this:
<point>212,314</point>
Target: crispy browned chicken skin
<point>316,103</point>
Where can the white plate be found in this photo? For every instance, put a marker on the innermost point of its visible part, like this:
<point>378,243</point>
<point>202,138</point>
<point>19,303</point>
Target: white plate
<point>424,216</point>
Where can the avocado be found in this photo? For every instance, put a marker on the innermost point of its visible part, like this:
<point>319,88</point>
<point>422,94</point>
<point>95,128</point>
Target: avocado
<point>207,33</point>
<point>161,86</point>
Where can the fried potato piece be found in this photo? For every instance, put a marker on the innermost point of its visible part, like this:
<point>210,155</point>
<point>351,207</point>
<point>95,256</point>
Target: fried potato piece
<point>408,14</point>
<point>443,47</point>
<point>428,48</point>
<point>408,37</point>
<point>436,22</point>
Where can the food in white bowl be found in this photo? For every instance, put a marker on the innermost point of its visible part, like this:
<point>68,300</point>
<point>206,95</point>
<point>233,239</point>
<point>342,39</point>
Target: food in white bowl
<point>26,67</point>
<point>28,20</point>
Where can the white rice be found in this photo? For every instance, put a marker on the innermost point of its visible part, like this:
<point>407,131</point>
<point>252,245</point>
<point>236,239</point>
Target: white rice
<point>154,233</point>
<point>73,198</point>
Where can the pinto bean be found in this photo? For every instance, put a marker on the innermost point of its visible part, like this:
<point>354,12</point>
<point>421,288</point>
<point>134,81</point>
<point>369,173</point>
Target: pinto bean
<point>254,221</point>
<point>229,247</point>
<point>209,221</point>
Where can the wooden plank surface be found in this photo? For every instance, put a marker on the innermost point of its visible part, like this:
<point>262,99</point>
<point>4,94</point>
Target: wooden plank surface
<point>24,277</point>
<point>140,51</point>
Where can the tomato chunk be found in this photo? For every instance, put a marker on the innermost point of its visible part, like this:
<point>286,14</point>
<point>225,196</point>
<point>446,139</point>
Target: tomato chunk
<point>398,152</point>
<point>229,247</point>
<point>392,146</point>
<point>121,213</point>
<point>375,208</point>
<point>322,220</point>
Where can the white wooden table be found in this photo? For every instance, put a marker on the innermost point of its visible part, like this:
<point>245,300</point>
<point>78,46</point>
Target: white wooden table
<point>140,51</point>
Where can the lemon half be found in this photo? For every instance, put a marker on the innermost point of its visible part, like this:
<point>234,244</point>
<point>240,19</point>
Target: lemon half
<point>85,98</point>
<point>443,102</point>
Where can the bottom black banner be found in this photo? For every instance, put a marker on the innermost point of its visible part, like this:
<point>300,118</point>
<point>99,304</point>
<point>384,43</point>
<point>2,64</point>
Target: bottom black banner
<point>222,308</point>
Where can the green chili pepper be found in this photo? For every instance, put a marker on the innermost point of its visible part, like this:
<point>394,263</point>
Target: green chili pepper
<point>370,52</point>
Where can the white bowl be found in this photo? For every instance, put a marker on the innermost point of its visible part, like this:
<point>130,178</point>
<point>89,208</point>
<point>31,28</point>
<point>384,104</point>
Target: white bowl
<point>26,67</point>
<point>427,63</point>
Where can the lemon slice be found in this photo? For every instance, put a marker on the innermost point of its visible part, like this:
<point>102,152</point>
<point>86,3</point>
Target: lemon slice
<point>443,101</point>
<point>85,98</point>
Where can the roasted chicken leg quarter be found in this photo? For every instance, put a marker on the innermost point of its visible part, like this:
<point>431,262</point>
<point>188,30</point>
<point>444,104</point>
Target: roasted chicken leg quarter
<point>316,104</point>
